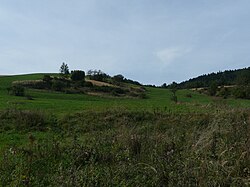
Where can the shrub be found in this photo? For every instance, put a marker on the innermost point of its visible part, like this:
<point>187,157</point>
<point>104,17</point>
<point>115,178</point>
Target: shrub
<point>88,84</point>
<point>58,85</point>
<point>242,92</point>
<point>47,79</point>
<point>78,84</point>
<point>77,75</point>
<point>119,90</point>
<point>23,120</point>
<point>36,84</point>
<point>17,90</point>
<point>118,78</point>
<point>224,92</point>
<point>213,89</point>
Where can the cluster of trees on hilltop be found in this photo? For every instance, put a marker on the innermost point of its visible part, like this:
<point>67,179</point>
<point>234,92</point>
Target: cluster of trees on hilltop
<point>234,83</point>
<point>74,82</point>
<point>99,75</point>
<point>228,77</point>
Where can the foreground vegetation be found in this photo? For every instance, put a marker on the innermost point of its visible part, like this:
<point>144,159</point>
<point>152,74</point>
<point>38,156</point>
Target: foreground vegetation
<point>59,139</point>
<point>125,148</point>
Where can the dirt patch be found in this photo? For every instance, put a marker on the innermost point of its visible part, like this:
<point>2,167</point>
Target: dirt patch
<point>99,83</point>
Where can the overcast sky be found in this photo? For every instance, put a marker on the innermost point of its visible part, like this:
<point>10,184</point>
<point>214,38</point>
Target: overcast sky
<point>152,41</point>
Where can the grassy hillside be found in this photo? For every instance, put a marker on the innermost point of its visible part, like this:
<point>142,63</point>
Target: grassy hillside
<point>61,103</point>
<point>60,139</point>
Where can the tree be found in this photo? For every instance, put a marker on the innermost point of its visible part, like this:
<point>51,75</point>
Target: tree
<point>118,78</point>
<point>164,85</point>
<point>77,75</point>
<point>97,75</point>
<point>64,69</point>
<point>173,89</point>
<point>243,78</point>
<point>213,88</point>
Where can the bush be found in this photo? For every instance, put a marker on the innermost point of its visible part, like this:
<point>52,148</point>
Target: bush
<point>36,84</point>
<point>78,84</point>
<point>47,79</point>
<point>213,89</point>
<point>77,75</point>
<point>242,92</point>
<point>17,90</point>
<point>88,84</point>
<point>119,90</point>
<point>58,85</point>
<point>118,78</point>
<point>224,92</point>
<point>23,120</point>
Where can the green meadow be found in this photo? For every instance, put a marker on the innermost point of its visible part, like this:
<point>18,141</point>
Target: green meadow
<point>59,139</point>
<point>62,103</point>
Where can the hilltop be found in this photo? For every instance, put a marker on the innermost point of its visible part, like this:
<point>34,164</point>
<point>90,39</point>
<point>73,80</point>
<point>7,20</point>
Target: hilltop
<point>228,77</point>
<point>229,83</point>
<point>76,82</point>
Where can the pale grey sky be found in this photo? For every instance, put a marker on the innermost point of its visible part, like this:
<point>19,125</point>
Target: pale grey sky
<point>152,41</point>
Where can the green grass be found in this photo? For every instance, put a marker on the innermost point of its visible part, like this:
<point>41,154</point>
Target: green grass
<point>83,140</point>
<point>62,103</point>
<point>129,148</point>
<point>17,139</point>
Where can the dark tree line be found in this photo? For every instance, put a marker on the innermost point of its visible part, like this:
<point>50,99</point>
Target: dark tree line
<point>229,77</point>
<point>234,83</point>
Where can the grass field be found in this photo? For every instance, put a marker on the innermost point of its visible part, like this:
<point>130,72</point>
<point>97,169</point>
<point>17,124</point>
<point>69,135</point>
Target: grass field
<point>61,103</point>
<point>60,139</point>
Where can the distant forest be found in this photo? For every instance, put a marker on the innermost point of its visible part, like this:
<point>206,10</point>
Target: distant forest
<point>228,77</point>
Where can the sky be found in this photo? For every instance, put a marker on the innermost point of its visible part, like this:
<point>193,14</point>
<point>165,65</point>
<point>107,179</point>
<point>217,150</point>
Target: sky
<point>151,41</point>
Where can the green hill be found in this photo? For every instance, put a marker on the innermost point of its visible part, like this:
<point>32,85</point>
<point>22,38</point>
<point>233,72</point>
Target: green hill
<point>228,77</point>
